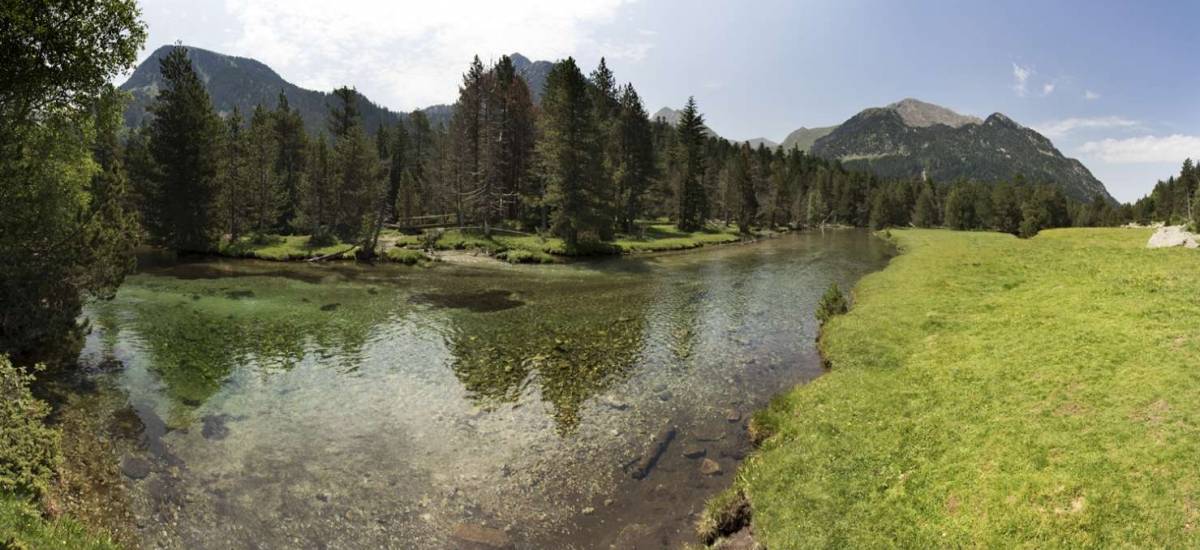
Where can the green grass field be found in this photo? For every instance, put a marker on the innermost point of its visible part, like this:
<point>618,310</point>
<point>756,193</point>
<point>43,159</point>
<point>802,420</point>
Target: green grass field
<point>23,527</point>
<point>987,391</point>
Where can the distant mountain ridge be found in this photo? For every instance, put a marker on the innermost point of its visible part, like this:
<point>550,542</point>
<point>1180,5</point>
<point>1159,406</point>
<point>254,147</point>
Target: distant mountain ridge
<point>534,73</point>
<point>913,139</point>
<point>242,82</point>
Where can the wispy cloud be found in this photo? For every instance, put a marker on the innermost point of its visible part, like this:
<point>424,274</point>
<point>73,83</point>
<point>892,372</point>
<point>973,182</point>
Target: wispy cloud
<point>1060,128</point>
<point>1090,95</point>
<point>1021,79</point>
<point>412,54</point>
<point>1048,88</point>
<point>1144,149</point>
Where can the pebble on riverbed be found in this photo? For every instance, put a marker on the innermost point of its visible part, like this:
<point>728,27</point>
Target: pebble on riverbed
<point>710,467</point>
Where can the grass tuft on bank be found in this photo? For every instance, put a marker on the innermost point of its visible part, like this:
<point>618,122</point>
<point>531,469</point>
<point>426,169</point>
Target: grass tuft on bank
<point>988,391</point>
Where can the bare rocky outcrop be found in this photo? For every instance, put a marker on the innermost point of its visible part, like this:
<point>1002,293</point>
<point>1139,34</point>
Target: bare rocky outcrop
<point>1173,235</point>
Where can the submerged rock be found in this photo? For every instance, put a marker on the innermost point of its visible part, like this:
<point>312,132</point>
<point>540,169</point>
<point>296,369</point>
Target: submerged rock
<point>481,537</point>
<point>710,467</point>
<point>657,447</point>
<point>215,427</point>
<point>134,467</point>
<point>694,451</point>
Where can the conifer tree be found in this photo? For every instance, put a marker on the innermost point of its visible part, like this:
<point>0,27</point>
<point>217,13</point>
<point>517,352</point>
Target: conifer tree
<point>185,138</point>
<point>265,194</point>
<point>233,182</point>
<point>634,153</point>
<point>744,181</point>
<point>925,211</point>
<point>398,171</point>
<point>292,142</point>
<point>570,154</point>
<point>689,158</point>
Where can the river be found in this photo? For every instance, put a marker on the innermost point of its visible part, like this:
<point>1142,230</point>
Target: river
<point>267,405</point>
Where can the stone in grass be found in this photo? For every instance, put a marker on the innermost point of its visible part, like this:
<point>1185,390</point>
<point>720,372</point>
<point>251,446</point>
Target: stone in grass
<point>481,537</point>
<point>710,467</point>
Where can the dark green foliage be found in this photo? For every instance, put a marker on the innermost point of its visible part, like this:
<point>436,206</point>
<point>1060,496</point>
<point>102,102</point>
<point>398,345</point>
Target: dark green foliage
<point>291,147</point>
<point>689,169</point>
<point>570,155</point>
<point>832,303</point>
<point>635,166</point>
<point>29,450</point>
<point>185,138</point>
<point>65,224</point>
<point>744,183</point>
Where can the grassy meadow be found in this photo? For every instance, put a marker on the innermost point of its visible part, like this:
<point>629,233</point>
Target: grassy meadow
<point>988,391</point>
<point>508,246</point>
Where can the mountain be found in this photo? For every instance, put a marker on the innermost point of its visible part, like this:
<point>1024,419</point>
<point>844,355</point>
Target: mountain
<point>756,142</point>
<point>671,117</point>
<point>242,82</point>
<point>913,139</point>
<point>803,138</point>
<point>534,73</point>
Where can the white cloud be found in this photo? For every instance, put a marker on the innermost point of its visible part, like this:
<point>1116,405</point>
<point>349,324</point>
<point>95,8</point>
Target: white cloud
<point>1144,149</point>
<point>1090,95</point>
<point>1020,78</point>
<point>1047,88</point>
<point>1060,128</point>
<point>412,54</point>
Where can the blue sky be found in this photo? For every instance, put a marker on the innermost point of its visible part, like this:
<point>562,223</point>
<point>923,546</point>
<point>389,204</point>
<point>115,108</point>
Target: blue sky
<point>1113,84</point>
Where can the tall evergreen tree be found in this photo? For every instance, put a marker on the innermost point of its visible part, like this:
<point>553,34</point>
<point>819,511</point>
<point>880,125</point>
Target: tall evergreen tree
<point>233,181</point>
<point>185,138</point>
<point>398,171</point>
<point>744,181</point>
<point>265,193</point>
<point>292,142</point>
<point>689,158</point>
<point>570,154</point>
<point>634,153</point>
<point>925,211</point>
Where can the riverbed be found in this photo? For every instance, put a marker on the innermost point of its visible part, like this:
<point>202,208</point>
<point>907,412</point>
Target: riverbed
<point>589,405</point>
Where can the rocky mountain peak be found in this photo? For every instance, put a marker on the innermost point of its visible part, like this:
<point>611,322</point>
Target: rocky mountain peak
<point>919,114</point>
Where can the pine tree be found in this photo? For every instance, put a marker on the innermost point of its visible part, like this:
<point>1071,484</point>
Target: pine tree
<point>356,172</point>
<point>185,138</point>
<point>689,156</point>
<point>570,154</point>
<point>292,143</point>
<point>317,197</point>
<point>744,181</point>
<point>635,165</point>
<point>417,191</point>
<point>264,192</point>
<point>233,181</point>
<point>398,171</point>
<point>925,212</point>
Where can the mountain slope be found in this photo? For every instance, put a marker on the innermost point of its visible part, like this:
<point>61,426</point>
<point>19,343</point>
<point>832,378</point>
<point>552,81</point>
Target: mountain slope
<point>916,139</point>
<point>803,138</point>
<point>242,82</point>
<point>534,73</point>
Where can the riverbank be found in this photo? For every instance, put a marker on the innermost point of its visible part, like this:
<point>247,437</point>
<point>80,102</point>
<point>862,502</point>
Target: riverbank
<point>503,245</point>
<point>990,391</point>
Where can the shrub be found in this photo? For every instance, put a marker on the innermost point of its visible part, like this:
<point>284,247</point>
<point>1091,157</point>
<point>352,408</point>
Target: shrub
<point>832,303</point>
<point>405,256</point>
<point>29,450</point>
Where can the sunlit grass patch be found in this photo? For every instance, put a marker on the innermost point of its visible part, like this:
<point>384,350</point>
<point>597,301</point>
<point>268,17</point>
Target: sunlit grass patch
<point>997,392</point>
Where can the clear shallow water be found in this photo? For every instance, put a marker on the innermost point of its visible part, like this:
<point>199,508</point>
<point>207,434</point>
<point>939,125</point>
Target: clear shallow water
<point>286,405</point>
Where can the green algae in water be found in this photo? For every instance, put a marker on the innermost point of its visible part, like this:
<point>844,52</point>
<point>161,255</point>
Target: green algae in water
<point>297,405</point>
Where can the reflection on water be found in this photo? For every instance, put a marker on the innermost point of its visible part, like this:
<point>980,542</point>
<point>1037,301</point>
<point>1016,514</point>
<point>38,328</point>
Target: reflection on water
<point>298,405</point>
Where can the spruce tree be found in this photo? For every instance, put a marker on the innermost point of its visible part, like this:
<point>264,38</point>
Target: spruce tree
<point>185,138</point>
<point>397,172</point>
<point>233,182</point>
<point>265,193</point>
<point>744,181</point>
<point>292,146</point>
<point>925,212</point>
<point>634,153</point>
<point>570,154</point>
<point>689,158</point>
